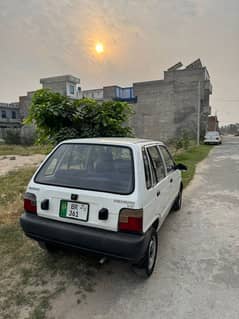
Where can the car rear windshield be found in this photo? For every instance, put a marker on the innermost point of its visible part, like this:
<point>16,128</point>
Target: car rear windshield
<point>213,133</point>
<point>103,168</point>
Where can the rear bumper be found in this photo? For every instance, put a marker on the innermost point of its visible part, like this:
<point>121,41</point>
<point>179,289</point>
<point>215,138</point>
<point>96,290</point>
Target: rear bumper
<point>212,142</point>
<point>131,247</point>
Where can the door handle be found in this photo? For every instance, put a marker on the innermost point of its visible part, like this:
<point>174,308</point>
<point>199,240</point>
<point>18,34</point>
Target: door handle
<point>171,180</point>
<point>158,193</point>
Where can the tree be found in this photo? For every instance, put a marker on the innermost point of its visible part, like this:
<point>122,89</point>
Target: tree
<point>57,117</point>
<point>230,129</point>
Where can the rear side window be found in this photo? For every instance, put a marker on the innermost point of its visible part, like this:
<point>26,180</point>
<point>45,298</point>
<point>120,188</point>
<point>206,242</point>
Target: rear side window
<point>157,163</point>
<point>168,159</point>
<point>95,167</point>
<point>148,180</point>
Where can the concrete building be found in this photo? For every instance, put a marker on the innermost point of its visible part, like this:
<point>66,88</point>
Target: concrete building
<point>108,93</point>
<point>9,115</point>
<point>66,85</point>
<point>164,109</point>
<point>24,104</point>
<point>97,94</point>
<point>69,86</point>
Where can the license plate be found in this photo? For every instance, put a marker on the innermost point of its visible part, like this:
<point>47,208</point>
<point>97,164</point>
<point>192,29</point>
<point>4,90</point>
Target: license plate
<point>75,210</point>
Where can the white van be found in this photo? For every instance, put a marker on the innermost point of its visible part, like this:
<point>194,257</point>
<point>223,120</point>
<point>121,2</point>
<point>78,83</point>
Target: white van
<point>104,195</point>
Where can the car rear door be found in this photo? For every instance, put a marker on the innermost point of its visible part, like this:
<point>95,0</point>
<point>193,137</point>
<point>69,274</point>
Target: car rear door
<point>86,184</point>
<point>156,192</point>
<point>173,176</point>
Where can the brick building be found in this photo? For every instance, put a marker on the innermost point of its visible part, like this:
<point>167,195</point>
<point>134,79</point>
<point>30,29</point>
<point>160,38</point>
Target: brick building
<point>213,123</point>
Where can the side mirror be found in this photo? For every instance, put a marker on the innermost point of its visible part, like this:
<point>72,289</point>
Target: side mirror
<point>181,167</point>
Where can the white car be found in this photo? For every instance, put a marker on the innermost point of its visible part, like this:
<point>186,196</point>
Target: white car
<point>104,195</point>
<point>212,137</point>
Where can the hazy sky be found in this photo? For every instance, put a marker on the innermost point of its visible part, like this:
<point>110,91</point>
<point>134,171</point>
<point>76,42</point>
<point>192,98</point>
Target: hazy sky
<point>142,38</point>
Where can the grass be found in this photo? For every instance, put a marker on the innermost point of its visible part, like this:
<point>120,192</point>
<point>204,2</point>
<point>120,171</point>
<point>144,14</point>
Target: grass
<point>191,158</point>
<point>6,149</point>
<point>30,277</point>
<point>13,184</point>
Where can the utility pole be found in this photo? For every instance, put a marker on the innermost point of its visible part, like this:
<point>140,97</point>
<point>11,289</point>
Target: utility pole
<point>198,113</point>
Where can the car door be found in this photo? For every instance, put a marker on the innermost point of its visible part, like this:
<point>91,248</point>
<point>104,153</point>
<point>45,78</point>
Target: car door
<point>173,176</point>
<point>157,190</point>
<point>148,192</point>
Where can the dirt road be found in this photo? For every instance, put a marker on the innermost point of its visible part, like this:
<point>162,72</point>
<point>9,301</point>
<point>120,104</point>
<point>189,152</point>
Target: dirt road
<point>11,162</point>
<point>197,274</point>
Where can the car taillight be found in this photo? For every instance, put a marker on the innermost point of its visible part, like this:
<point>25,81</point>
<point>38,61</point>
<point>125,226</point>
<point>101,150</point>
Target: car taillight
<point>30,203</point>
<point>131,220</point>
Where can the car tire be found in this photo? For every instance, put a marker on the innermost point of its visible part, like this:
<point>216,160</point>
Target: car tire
<point>47,247</point>
<point>150,257</point>
<point>178,202</point>
<point>145,267</point>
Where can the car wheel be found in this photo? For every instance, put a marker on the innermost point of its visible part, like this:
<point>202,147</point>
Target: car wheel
<point>178,202</point>
<point>47,247</point>
<point>151,254</point>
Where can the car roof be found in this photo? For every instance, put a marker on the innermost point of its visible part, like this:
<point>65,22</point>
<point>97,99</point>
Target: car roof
<point>113,140</point>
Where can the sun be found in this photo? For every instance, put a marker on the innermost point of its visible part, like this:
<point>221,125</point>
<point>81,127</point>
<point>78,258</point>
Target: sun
<point>99,48</point>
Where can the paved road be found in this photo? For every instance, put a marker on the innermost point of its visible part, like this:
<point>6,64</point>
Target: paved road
<point>197,274</point>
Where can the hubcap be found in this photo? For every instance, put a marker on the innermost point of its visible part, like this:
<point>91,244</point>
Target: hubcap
<point>152,252</point>
<point>180,200</point>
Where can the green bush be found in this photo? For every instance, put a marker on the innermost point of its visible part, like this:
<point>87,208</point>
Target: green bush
<point>185,140</point>
<point>57,117</point>
<point>181,142</point>
<point>63,134</point>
